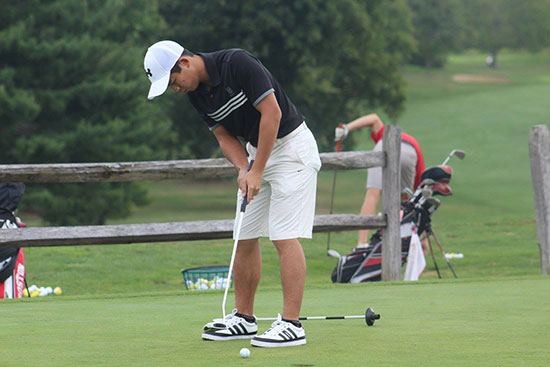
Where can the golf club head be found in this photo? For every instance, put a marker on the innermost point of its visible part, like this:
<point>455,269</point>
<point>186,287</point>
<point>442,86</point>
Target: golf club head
<point>216,324</point>
<point>333,253</point>
<point>440,188</point>
<point>455,152</point>
<point>426,193</point>
<point>438,173</point>
<point>431,204</point>
<point>460,154</point>
<point>426,182</point>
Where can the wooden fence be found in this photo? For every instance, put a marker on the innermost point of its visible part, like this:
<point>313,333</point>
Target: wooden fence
<point>388,159</point>
<point>539,154</point>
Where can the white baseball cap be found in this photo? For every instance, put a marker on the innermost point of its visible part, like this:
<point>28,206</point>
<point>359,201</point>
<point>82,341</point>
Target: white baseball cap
<point>159,60</point>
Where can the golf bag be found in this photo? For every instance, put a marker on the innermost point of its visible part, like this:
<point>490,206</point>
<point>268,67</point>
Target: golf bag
<point>12,263</point>
<point>365,263</point>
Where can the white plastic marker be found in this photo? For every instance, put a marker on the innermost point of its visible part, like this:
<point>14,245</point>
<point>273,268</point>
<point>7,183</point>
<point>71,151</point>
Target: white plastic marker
<point>239,222</point>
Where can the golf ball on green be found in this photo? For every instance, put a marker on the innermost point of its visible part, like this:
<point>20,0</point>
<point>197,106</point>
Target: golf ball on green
<point>245,353</point>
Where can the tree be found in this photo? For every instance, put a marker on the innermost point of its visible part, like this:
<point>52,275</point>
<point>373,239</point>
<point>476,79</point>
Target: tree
<point>436,30</point>
<point>333,57</point>
<point>72,90</point>
<point>494,24</point>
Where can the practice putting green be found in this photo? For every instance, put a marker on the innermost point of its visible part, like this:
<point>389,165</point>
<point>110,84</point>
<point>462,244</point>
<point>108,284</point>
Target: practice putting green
<point>444,323</point>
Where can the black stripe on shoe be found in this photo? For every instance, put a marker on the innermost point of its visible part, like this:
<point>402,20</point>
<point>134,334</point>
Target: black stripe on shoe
<point>293,333</point>
<point>272,341</point>
<point>243,329</point>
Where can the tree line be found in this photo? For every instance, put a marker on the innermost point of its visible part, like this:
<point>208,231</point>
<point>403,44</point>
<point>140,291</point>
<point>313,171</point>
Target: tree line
<point>72,87</point>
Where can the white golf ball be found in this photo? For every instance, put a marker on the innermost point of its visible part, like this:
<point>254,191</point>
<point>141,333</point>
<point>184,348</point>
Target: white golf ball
<point>245,353</point>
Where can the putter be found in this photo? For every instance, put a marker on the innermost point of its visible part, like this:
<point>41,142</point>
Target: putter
<point>239,220</point>
<point>330,252</point>
<point>370,316</point>
<point>460,154</point>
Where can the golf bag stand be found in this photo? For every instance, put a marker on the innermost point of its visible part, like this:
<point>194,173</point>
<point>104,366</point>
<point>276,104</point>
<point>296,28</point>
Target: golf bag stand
<point>433,256</point>
<point>431,232</point>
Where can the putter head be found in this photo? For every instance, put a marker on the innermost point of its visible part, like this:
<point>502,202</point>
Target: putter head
<point>216,324</point>
<point>438,173</point>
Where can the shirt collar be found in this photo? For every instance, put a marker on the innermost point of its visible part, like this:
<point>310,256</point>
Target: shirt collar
<point>211,69</point>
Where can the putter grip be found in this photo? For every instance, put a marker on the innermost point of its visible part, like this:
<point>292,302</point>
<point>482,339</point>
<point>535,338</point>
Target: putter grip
<point>245,198</point>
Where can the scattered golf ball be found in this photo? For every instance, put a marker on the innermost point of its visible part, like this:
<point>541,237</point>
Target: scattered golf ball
<point>57,291</point>
<point>245,353</point>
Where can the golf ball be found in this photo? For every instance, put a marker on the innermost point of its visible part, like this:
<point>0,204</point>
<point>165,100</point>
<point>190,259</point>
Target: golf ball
<point>245,353</point>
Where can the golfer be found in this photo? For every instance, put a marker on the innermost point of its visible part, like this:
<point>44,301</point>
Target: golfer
<point>412,165</point>
<point>238,97</point>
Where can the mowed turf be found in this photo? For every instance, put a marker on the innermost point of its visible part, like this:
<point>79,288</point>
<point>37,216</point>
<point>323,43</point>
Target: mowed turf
<point>449,323</point>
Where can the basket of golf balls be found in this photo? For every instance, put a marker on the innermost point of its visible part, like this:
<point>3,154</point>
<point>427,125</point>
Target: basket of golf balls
<point>206,278</point>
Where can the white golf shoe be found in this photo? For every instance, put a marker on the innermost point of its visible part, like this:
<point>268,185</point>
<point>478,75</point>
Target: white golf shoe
<point>280,334</point>
<point>231,328</point>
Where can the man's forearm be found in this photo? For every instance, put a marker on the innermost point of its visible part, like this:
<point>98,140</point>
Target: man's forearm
<point>234,152</point>
<point>269,126</point>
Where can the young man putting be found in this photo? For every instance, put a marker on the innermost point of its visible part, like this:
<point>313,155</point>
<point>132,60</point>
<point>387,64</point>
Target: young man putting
<point>238,97</point>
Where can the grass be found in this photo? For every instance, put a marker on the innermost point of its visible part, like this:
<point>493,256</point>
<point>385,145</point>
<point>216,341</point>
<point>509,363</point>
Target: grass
<point>125,304</point>
<point>450,323</point>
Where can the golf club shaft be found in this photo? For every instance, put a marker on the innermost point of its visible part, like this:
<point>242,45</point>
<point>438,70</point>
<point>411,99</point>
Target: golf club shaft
<point>316,318</point>
<point>338,146</point>
<point>331,205</point>
<point>446,159</point>
<point>238,225</point>
<point>235,244</point>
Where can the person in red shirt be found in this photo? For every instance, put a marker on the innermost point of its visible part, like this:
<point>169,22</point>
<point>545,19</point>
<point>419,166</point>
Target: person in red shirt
<point>412,166</point>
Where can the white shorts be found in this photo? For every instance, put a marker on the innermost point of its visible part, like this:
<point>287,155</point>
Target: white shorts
<point>285,206</point>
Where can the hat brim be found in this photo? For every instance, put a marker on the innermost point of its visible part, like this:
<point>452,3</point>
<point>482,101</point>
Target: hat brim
<point>159,86</point>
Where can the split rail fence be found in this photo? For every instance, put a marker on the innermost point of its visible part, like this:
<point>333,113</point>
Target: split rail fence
<point>539,154</point>
<point>388,159</point>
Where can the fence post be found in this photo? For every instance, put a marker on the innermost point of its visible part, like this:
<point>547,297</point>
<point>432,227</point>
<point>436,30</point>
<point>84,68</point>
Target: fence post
<point>391,198</point>
<point>539,154</point>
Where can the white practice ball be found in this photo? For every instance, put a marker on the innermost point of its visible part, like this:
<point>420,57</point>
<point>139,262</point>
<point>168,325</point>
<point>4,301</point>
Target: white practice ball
<point>245,353</point>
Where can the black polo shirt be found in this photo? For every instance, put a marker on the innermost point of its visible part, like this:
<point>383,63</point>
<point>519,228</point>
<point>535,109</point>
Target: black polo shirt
<point>239,82</point>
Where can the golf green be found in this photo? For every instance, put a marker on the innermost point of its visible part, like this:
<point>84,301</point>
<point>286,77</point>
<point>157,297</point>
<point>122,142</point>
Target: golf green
<point>501,322</point>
